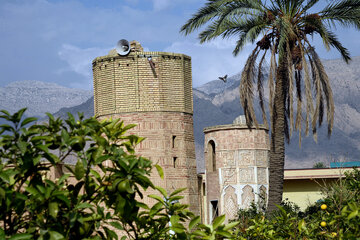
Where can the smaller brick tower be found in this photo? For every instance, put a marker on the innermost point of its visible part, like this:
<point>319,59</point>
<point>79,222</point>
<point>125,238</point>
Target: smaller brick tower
<point>236,160</point>
<point>154,91</point>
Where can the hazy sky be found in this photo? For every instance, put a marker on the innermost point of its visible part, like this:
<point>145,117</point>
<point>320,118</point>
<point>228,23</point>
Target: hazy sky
<point>56,40</point>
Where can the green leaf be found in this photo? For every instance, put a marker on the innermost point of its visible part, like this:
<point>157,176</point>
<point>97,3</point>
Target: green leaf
<point>116,225</point>
<point>142,205</point>
<point>174,219</point>
<point>160,171</point>
<point>32,190</point>
<point>95,173</point>
<point>162,191</point>
<point>53,209</point>
<point>231,225</point>
<point>301,225</point>
<point>21,236</point>
<point>199,233</point>
<point>2,193</point>
<point>175,199</point>
<point>64,199</point>
<point>18,115</point>
<point>36,160</point>
<point>219,220</point>
<point>110,233</point>
<point>353,214</point>
<point>79,170</point>
<point>6,113</point>
<point>63,178</point>
<point>5,177</point>
<point>177,229</point>
<point>28,120</point>
<point>83,205</point>
<point>155,209</point>
<point>70,169</point>
<point>194,221</point>
<point>157,198</point>
<point>22,146</point>
<point>65,136</point>
<point>177,191</point>
<point>224,233</point>
<point>55,235</point>
<point>2,233</point>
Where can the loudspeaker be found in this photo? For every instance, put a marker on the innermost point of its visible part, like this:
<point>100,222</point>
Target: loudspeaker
<point>123,47</point>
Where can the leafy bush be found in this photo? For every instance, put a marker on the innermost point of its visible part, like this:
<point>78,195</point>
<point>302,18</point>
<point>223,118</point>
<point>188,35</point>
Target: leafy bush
<point>101,196</point>
<point>336,216</point>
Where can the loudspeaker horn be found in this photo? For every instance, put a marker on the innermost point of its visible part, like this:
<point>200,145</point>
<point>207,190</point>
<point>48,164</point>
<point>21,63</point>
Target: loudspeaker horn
<point>123,47</point>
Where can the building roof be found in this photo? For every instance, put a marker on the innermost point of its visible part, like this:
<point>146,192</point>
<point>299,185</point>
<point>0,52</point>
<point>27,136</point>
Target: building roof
<point>312,173</point>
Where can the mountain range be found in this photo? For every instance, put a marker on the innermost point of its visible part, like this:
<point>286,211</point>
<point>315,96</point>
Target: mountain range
<point>40,97</point>
<point>217,103</point>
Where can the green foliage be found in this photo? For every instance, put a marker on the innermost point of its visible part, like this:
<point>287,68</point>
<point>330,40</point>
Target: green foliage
<point>81,204</point>
<point>319,165</point>
<point>102,194</point>
<point>338,219</point>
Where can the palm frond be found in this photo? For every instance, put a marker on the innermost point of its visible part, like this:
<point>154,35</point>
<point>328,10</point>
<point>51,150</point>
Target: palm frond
<point>260,89</point>
<point>307,83</point>
<point>272,72</point>
<point>299,101</point>
<point>222,10</point>
<point>346,13</point>
<point>204,15</point>
<point>246,88</point>
<point>308,5</point>
<point>290,93</point>
<point>328,37</point>
<point>325,83</point>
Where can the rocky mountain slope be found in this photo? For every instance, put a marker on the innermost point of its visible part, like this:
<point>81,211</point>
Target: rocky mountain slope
<point>40,97</point>
<point>218,103</point>
<point>344,144</point>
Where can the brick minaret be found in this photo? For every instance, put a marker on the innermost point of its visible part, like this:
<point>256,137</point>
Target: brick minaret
<point>154,91</point>
<point>237,162</point>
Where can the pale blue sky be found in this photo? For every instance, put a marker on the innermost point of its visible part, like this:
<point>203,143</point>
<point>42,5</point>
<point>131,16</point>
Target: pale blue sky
<point>56,40</point>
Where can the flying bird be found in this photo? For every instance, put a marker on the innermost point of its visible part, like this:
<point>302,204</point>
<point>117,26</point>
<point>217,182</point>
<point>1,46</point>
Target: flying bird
<point>224,78</point>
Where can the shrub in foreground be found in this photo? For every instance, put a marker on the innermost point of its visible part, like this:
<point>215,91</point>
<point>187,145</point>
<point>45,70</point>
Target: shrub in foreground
<point>102,194</point>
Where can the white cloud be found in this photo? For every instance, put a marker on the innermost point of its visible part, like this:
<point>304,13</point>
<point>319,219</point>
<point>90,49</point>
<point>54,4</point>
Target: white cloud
<point>79,60</point>
<point>211,60</point>
<point>160,4</point>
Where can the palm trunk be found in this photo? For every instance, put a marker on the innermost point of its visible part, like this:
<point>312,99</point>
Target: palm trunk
<point>277,145</point>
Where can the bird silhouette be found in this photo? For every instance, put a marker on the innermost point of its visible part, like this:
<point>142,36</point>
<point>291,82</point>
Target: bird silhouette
<point>224,78</point>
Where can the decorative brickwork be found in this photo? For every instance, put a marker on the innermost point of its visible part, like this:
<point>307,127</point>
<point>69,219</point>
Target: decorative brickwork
<point>154,91</point>
<point>129,83</point>
<point>241,158</point>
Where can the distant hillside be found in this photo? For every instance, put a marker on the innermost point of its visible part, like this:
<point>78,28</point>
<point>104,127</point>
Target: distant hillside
<point>40,97</point>
<point>344,143</point>
<point>87,108</point>
<point>218,103</point>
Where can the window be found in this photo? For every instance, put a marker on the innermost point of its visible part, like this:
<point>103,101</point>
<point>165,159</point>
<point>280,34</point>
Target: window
<point>174,161</point>
<point>214,209</point>
<point>211,156</point>
<point>173,141</point>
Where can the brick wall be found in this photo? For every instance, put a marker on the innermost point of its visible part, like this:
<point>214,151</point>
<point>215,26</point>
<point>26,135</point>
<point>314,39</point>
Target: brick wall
<point>159,100</point>
<point>241,157</point>
<point>169,135</point>
<point>130,84</point>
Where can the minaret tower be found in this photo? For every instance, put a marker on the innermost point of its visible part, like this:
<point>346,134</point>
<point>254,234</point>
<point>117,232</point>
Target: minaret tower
<point>154,91</point>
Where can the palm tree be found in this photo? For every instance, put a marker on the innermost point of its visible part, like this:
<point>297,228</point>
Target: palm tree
<point>281,30</point>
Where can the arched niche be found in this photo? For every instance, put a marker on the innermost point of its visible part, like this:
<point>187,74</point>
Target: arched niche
<point>211,156</point>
